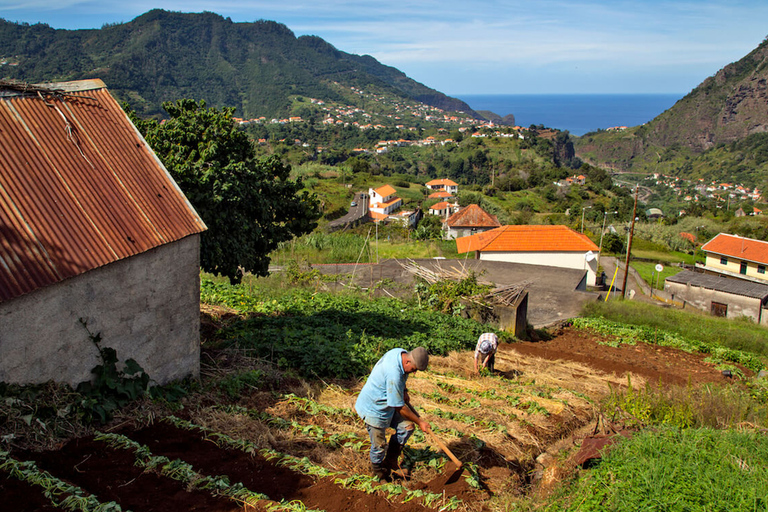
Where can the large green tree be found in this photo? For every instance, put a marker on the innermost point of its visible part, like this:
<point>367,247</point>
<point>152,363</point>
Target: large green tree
<point>250,205</point>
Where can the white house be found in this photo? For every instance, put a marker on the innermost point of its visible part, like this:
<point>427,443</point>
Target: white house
<point>92,229</point>
<point>554,246</point>
<point>383,200</point>
<point>442,209</point>
<point>443,184</point>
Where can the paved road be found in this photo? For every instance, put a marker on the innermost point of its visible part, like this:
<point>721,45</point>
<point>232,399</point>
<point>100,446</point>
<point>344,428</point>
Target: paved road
<point>355,213</point>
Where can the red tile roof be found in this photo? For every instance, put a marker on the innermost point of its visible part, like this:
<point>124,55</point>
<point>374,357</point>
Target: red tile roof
<point>79,188</point>
<point>527,239</point>
<point>738,247</point>
<point>472,217</point>
<point>440,194</point>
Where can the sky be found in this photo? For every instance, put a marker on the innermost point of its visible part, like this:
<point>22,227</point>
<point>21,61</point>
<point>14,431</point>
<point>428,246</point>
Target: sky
<point>462,47</point>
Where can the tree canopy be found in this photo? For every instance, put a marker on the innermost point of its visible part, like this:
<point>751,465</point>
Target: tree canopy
<point>250,205</point>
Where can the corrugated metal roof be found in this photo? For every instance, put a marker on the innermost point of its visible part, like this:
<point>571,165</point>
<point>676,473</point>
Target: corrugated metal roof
<point>79,187</point>
<point>721,284</point>
<point>527,238</point>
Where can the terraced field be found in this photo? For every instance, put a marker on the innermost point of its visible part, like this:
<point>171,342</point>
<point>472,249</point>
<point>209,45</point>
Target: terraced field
<point>302,447</point>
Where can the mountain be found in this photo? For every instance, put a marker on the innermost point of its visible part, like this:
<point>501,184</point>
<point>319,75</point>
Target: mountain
<point>723,111</point>
<point>164,56</point>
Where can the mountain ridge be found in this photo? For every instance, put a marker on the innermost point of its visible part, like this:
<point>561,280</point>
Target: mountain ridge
<point>164,56</point>
<point>725,109</point>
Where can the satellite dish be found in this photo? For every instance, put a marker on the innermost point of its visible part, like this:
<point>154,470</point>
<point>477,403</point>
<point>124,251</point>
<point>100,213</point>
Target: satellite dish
<point>658,267</point>
<point>589,256</point>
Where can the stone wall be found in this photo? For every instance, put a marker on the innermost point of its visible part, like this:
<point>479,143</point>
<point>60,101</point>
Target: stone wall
<point>702,298</point>
<point>146,307</point>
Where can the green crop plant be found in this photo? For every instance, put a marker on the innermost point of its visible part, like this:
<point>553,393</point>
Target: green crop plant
<point>60,493</point>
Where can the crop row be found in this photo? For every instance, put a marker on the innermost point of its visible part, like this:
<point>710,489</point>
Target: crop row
<point>356,442</point>
<point>183,472</point>
<point>60,493</point>
<point>363,483</point>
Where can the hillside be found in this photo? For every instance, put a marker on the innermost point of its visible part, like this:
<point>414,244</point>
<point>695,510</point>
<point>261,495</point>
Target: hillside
<point>724,109</point>
<point>162,56</point>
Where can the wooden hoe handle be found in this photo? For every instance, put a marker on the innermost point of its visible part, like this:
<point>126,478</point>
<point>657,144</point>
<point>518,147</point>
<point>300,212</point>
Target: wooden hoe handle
<point>445,449</point>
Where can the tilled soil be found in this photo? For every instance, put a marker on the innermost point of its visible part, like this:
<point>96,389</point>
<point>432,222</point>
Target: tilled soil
<point>656,364</point>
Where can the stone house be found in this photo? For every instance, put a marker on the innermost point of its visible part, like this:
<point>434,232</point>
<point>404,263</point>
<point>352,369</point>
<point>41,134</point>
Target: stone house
<point>469,221</point>
<point>92,229</point>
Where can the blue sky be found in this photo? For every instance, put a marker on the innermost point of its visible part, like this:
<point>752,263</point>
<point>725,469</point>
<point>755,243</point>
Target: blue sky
<point>489,46</point>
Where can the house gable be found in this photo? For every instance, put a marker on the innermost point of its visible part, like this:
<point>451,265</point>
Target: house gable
<point>79,187</point>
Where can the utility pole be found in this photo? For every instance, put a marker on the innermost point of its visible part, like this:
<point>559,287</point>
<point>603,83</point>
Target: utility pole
<point>582,217</point>
<point>629,247</point>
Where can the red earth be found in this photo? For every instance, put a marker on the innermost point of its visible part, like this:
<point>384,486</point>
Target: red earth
<point>657,364</point>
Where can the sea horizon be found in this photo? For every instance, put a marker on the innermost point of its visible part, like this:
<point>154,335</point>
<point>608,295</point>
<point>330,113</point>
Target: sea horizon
<point>577,113</point>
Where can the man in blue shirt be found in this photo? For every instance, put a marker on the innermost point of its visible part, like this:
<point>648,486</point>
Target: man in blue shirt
<point>384,402</point>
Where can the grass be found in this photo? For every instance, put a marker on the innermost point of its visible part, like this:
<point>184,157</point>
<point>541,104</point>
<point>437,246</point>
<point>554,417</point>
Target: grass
<point>676,470</point>
<point>693,325</point>
<point>647,271</point>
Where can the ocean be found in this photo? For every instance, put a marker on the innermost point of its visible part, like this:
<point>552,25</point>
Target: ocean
<point>577,113</point>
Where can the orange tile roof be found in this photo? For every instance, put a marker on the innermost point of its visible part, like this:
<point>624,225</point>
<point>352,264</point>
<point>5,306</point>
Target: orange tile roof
<point>473,216</point>
<point>738,247</point>
<point>442,182</point>
<point>527,239</point>
<point>385,190</point>
<point>440,206</point>
<point>376,216</point>
<point>439,194</point>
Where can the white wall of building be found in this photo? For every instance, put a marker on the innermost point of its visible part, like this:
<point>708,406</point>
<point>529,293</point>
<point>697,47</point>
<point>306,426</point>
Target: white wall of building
<point>574,260</point>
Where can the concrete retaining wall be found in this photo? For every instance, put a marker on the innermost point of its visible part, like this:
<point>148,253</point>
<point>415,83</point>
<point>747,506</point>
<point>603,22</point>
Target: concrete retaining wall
<point>146,307</point>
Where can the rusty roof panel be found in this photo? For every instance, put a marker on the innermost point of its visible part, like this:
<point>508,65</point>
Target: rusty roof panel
<point>79,188</point>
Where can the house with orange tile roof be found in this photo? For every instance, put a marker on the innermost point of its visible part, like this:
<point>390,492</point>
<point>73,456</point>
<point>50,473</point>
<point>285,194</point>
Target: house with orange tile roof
<point>737,256</point>
<point>441,194</point>
<point>469,221</point>
<point>443,184</point>
<point>384,200</point>
<point>442,209</point>
<point>553,246</point>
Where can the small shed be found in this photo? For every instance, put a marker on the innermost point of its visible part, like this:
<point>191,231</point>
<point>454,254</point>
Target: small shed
<point>721,295</point>
<point>93,229</point>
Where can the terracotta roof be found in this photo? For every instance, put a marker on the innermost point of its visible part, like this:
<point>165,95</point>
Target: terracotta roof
<point>442,182</point>
<point>79,187</point>
<point>738,247</point>
<point>527,239</point>
<point>440,194</point>
<point>385,190</point>
<point>440,206</point>
<point>472,217</point>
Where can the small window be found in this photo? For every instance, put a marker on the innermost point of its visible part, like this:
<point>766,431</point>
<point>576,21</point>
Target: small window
<point>723,260</point>
<point>761,269</point>
<point>743,268</point>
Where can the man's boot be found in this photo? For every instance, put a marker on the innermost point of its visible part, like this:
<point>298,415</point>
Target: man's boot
<point>390,461</point>
<point>380,471</point>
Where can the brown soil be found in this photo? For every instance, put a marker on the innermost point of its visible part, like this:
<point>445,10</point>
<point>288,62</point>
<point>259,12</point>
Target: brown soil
<point>572,360</point>
<point>656,364</point>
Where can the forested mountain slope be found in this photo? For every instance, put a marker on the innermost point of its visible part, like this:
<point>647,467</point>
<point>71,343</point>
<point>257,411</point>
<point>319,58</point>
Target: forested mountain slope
<point>725,109</point>
<point>162,56</point>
